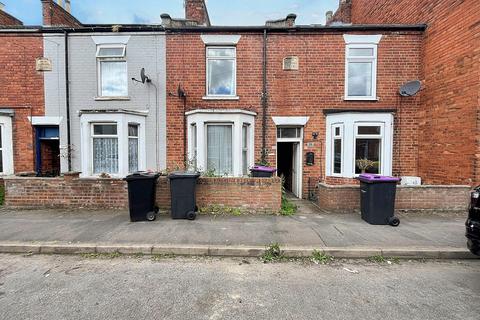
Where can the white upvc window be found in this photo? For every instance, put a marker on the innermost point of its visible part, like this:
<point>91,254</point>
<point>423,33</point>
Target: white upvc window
<point>112,70</point>
<point>112,143</point>
<point>359,143</point>
<point>221,141</point>
<point>221,71</point>
<point>133,147</point>
<point>6,146</point>
<point>104,148</point>
<point>361,67</point>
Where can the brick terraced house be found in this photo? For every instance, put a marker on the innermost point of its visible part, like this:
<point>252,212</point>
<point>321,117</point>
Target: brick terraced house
<point>316,102</point>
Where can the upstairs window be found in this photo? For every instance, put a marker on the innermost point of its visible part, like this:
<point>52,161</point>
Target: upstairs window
<point>361,67</point>
<point>112,71</point>
<point>221,71</point>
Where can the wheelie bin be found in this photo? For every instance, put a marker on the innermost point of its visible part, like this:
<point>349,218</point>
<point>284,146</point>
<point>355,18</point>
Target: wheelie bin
<point>377,199</point>
<point>141,196</point>
<point>183,197</point>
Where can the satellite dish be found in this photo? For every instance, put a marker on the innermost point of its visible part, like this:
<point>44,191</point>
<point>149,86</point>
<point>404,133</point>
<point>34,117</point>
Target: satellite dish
<point>143,76</point>
<point>410,88</point>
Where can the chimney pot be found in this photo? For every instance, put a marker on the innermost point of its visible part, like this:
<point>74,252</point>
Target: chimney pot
<point>2,6</point>
<point>329,15</point>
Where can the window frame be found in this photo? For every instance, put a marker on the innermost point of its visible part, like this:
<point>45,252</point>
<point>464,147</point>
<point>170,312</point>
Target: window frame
<point>104,136</point>
<point>226,124</point>
<point>340,137</point>
<point>110,58</point>
<point>361,59</point>
<point>350,122</point>
<point>122,120</point>
<point>137,137</point>
<point>207,69</point>
<point>7,144</point>
<point>245,148</point>
<point>379,136</point>
<point>237,118</point>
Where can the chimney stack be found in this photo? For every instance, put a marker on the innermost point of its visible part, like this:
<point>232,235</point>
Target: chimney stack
<point>328,16</point>
<point>65,4</point>
<point>196,10</point>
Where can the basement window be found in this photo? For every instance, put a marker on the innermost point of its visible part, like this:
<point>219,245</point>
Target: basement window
<point>112,71</point>
<point>356,139</point>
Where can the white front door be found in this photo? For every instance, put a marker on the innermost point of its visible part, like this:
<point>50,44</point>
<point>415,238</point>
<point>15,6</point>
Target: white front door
<point>295,170</point>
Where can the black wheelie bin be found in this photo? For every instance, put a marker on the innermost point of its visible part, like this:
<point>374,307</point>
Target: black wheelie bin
<point>141,196</point>
<point>183,197</point>
<point>377,199</point>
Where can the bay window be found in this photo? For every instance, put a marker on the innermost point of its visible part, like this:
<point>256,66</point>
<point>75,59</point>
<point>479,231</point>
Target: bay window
<point>220,140</point>
<point>361,67</point>
<point>112,143</point>
<point>112,70</point>
<point>359,143</point>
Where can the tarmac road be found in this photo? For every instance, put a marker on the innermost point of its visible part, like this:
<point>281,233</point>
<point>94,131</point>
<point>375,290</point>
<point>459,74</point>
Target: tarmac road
<point>80,287</point>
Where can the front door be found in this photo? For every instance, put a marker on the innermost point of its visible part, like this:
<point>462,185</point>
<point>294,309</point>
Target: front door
<point>295,170</point>
<point>289,158</point>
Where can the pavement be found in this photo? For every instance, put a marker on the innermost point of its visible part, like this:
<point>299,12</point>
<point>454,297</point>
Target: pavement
<point>432,235</point>
<point>57,287</point>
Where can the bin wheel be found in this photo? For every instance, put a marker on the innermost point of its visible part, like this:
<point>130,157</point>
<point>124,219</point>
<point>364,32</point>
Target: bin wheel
<point>156,209</point>
<point>151,216</point>
<point>191,215</point>
<point>394,221</point>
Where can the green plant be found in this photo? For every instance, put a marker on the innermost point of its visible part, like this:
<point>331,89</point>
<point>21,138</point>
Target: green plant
<point>377,259</point>
<point>272,253</point>
<point>320,257</point>
<point>209,173</point>
<point>288,208</point>
<point>365,164</point>
<point>111,255</point>
<point>2,195</point>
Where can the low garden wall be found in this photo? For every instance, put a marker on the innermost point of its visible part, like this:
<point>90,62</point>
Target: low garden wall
<point>256,195</point>
<point>424,197</point>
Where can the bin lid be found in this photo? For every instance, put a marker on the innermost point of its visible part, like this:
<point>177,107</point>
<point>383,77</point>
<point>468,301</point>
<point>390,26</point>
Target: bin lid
<point>142,175</point>
<point>373,178</point>
<point>183,175</point>
<point>263,168</point>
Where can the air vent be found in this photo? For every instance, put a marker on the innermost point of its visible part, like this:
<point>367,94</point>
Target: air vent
<point>290,63</point>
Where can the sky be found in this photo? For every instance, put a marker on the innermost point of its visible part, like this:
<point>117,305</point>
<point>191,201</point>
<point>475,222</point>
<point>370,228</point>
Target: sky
<point>222,12</point>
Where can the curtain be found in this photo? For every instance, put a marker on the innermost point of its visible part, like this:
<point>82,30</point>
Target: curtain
<point>114,79</point>
<point>219,149</point>
<point>132,154</point>
<point>105,155</point>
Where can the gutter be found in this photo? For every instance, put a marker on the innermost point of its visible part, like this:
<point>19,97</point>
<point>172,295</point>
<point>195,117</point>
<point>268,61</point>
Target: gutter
<point>264,97</point>
<point>67,103</point>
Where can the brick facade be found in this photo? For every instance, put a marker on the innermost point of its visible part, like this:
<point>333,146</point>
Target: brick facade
<point>55,15</point>
<point>425,197</point>
<point>258,195</point>
<point>317,85</point>
<point>449,148</point>
<point>21,89</point>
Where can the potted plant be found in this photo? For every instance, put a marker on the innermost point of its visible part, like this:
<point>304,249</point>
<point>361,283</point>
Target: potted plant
<point>365,164</point>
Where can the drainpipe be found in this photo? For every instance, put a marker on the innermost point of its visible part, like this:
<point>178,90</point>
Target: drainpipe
<point>67,103</point>
<point>264,99</point>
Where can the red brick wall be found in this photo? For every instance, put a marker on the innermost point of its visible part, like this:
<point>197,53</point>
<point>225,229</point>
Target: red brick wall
<point>21,89</point>
<point>347,197</point>
<point>343,13</point>
<point>55,15</point>
<point>196,10</point>
<point>258,195</point>
<point>449,143</point>
<point>8,20</point>
<point>317,85</point>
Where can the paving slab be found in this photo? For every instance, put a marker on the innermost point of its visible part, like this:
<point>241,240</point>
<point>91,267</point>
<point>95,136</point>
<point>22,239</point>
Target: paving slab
<point>219,234</point>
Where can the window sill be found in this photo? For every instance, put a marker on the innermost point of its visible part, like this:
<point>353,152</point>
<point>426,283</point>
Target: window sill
<point>112,98</point>
<point>361,99</point>
<point>221,98</point>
